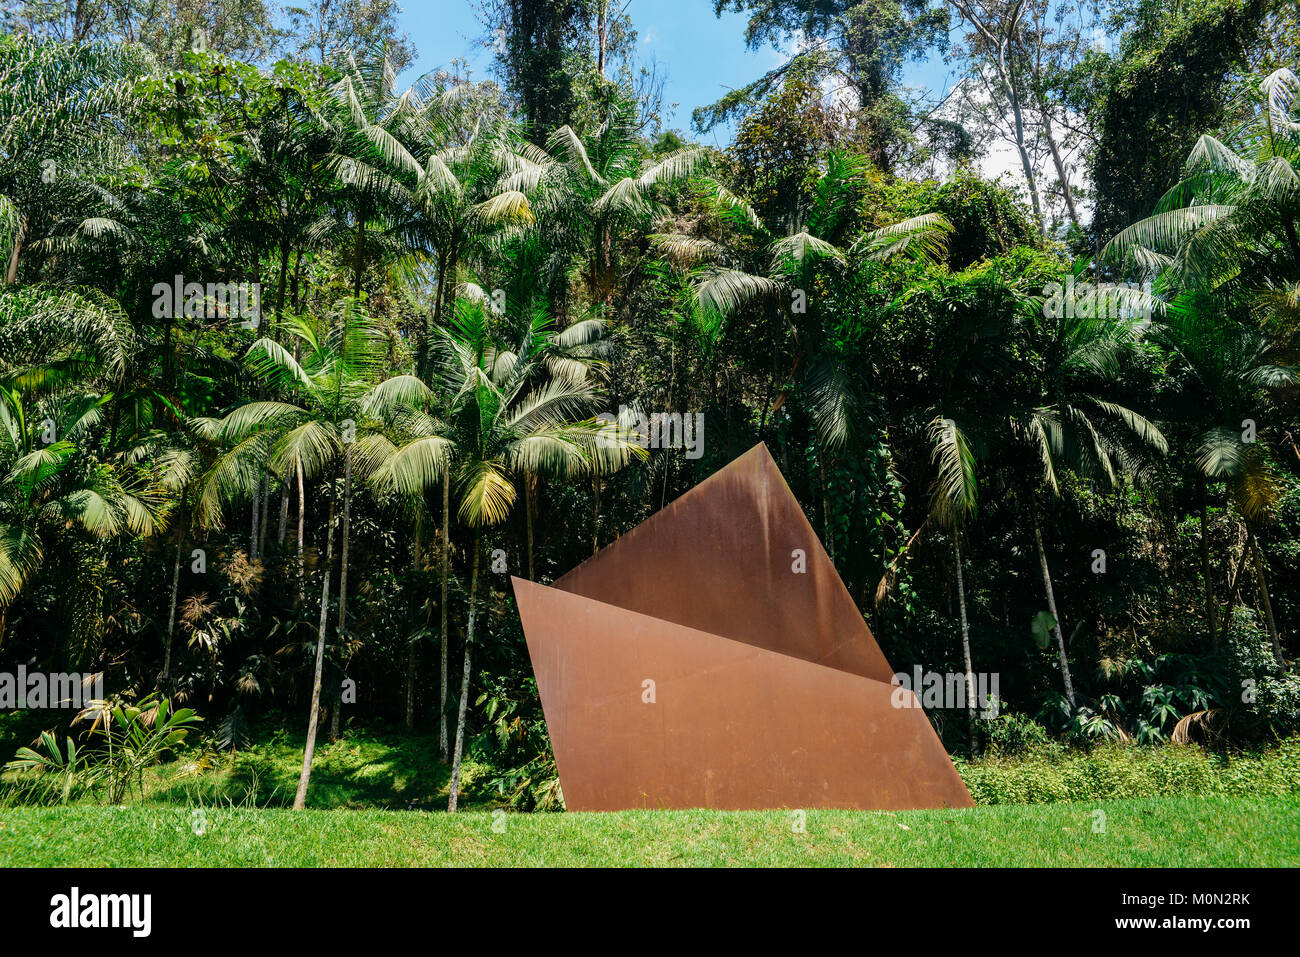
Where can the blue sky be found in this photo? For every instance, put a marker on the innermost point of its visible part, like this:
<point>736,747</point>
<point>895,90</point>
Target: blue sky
<point>704,56</point>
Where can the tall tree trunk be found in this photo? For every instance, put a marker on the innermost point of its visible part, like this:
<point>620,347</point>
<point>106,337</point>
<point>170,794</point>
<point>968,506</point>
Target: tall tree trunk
<point>300,799</point>
<point>1026,165</point>
<point>360,251</point>
<point>165,679</point>
<point>1051,607</point>
<point>252,534</point>
<point>411,656</point>
<point>1252,543</point>
<point>1205,565</point>
<point>530,492</point>
<point>347,525</point>
<point>280,287</point>
<point>965,637</point>
<point>595,513</point>
<point>439,294</point>
<point>11,271</point>
<point>343,581</point>
<point>826,509</point>
<point>266,505</point>
<point>1058,161</point>
<point>302,510</point>
<point>295,284</point>
<point>602,34</point>
<point>464,683</point>
<point>284,510</point>
<point>446,570</point>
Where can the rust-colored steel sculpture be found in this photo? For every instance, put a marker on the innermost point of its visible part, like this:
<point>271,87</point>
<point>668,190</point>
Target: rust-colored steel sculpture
<point>712,657</point>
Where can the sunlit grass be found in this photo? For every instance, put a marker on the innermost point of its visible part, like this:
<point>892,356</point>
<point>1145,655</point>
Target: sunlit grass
<point>1159,832</point>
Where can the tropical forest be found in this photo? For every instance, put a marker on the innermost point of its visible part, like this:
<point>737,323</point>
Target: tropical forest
<point>310,346</point>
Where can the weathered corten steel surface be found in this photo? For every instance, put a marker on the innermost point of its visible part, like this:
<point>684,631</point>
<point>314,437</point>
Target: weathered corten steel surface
<point>768,690</point>
<point>719,559</point>
<point>731,725</point>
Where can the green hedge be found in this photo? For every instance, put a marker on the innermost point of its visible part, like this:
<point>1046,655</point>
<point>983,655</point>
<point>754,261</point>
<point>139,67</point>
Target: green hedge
<point>1117,771</point>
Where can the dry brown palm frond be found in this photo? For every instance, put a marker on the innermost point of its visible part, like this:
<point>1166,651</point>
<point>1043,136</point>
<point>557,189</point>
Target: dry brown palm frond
<point>243,573</point>
<point>1207,724</point>
<point>194,609</point>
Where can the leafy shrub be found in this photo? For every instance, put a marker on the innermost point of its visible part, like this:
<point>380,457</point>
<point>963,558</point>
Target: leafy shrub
<point>1271,697</point>
<point>124,741</point>
<point>1116,771</point>
<point>1016,734</point>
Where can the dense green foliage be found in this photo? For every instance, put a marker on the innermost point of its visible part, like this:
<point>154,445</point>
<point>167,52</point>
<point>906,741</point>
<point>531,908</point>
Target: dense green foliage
<point>298,367</point>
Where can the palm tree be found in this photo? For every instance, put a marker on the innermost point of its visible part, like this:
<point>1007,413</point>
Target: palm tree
<point>952,502</point>
<point>373,164</point>
<point>182,470</point>
<point>415,414</point>
<point>56,348</point>
<point>592,188</point>
<point>505,418</point>
<point>1238,368</point>
<point>328,433</point>
<point>1033,392</point>
<point>461,195</point>
<point>1233,217</point>
<point>1225,239</point>
<point>780,275</point>
<point>59,105</point>
<point>1070,421</point>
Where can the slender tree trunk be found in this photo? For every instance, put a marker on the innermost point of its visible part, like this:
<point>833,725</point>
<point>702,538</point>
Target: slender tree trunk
<point>347,525</point>
<point>422,350</point>
<point>295,284</point>
<point>826,510</point>
<point>265,520</point>
<point>464,683</point>
<point>1233,589</point>
<point>1205,566</point>
<point>1051,607</point>
<point>252,534</point>
<point>11,271</point>
<point>280,287</point>
<point>361,235</point>
<point>1026,164</point>
<point>284,510</point>
<point>529,497</point>
<point>1252,543</point>
<point>300,799</point>
<point>1058,161</point>
<point>343,582</point>
<point>302,511</point>
<point>411,646</point>
<point>171,614</point>
<point>446,570</point>
<point>595,513</point>
<point>965,637</point>
<point>602,34</point>
<point>1012,93</point>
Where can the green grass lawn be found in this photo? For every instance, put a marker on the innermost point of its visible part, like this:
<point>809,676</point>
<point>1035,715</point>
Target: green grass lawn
<point>1202,831</point>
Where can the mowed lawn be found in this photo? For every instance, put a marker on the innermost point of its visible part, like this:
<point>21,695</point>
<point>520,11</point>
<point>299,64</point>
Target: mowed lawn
<point>1158,832</point>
